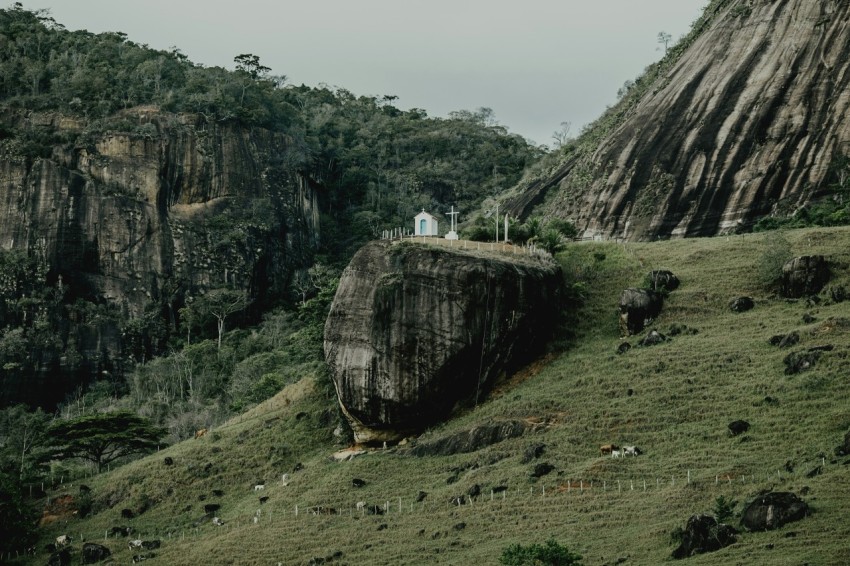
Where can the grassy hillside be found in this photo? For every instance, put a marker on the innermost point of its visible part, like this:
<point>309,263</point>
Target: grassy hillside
<point>673,400</point>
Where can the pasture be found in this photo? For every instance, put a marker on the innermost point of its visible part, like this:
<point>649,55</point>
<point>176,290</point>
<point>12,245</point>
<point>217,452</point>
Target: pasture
<point>673,401</point>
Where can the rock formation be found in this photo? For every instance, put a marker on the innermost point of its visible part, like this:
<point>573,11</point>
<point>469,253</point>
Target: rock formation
<point>638,307</point>
<point>805,275</point>
<point>416,328</point>
<point>740,120</point>
<point>772,510</point>
<point>136,220</point>
<point>703,533</point>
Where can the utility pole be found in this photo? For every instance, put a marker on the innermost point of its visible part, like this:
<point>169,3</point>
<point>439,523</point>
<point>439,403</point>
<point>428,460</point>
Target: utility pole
<point>497,223</point>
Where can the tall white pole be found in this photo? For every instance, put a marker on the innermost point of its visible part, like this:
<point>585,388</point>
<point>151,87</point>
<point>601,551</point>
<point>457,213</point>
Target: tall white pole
<point>497,223</point>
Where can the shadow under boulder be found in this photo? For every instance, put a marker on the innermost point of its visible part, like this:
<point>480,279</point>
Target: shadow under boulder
<point>703,534</point>
<point>772,510</point>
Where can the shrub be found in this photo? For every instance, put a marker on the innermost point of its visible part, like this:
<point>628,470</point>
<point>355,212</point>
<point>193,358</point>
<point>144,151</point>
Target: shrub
<point>776,252</point>
<point>548,554</point>
<point>724,509</point>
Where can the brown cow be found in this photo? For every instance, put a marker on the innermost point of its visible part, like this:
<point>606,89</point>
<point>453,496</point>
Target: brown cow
<point>607,449</point>
<point>200,433</point>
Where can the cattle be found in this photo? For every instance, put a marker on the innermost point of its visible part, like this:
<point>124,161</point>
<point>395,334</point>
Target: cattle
<point>133,544</point>
<point>151,544</point>
<point>738,427</point>
<point>63,540</point>
<point>217,521</point>
<point>361,505</point>
<point>632,451</point>
<point>142,557</point>
<point>284,480</point>
<point>618,453</point>
<point>200,433</point>
<point>606,449</point>
<point>259,487</point>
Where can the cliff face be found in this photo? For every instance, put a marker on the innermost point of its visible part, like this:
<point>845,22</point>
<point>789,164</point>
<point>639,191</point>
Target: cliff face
<point>414,329</point>
<point>745,123</point>
<point>156,216</point>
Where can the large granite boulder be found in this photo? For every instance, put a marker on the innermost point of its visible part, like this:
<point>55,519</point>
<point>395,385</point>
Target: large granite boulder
<point>805,275</point>
<point>703,533</point>
<point>93,553</point>
<point>638,307</point>
<point>416,328</point>
<point>772,510</point>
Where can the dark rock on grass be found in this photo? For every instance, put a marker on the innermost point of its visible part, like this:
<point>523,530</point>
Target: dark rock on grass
<point>357,482</point>
<point>542,469</point>
<point>142,557</point>
<point>151,544</point>
<point>808,318</point>
<point>623,348</point>
<point>120,531</point>
<point>785,340</point>
<point>211,508</point>
<point>838,294</point>
<point>638,307</point>
<point>60,557</point>
<point>742,304</point>
<point>738,427</point>
<point>533,452</point>
<point>772,510</point>
<point>805,275</point>
<point>127,514</point>
<point>421,496</point>
<point>298,467</point>
<point>474,491</point>
<point>93,553</point>
<point>662,280</point>
<point>218,492</point>
<point>470,440</point>
<point>803,360</point>
<point>460,526</point>
<point>652,339</point>
<point>677,329</point>
<point>263,499</point>
<point>816,471</point>
<point>168,461</point>
<point>702,534</point>
<point>500,489</point>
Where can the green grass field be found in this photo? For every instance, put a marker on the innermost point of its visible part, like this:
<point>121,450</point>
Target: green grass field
<point>673,400</point>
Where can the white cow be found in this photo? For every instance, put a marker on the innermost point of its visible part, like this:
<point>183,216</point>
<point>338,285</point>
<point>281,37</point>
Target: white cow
<point>134,543</point>
<point>631,451</point>
<point>361,505</point>
<point>260,487</point>
<point>218,522</point>
<point>63,540</point>
<point>618,453</point>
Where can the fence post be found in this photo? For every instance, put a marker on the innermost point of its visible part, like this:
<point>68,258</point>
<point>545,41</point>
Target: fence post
<point>619,489</point>
<point>689,477</point>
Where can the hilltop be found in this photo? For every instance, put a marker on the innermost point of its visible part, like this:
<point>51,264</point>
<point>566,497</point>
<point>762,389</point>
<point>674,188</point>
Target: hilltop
<point>673,400</point>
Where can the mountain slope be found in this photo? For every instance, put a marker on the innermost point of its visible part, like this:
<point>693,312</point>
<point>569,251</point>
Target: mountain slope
<point>743,119</point>
<point>673,400</point>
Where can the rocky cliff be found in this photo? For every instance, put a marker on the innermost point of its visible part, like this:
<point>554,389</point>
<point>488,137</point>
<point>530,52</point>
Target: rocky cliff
<point>415,329</point>
<point>741,120</point>
<point>154,212</point>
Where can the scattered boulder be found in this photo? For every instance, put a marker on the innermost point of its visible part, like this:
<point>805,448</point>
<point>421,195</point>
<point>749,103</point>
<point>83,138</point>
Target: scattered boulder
<point>702,534</point>
<point>218,492</point>
<point>742,304</point>
<point>459,526</point>
<point>808,318</point>
<point>805,275</point>
<point>803,360</point>
<point>542,469</point>
<point>838,294</point>
<point>772,510</point>
<point>357,482</point>
<point>168,461</point>
<point>421,496</point>
<point>662,280</point>
<point>470,440</point>
<point>816,471</point>
<point>676,329</point>
<point>84,489</point>
<point>785,340</point>
<point>211,508</point>
<point>638,307</point>
<point>652,339</point>
<point>263,499</point>
<point>623,348</point>
<point>533,452</point>
<point>142,557</point>
<point>61,557</point>
<point>93,553</point>
<point>474,491</point>
<point>127,514</point>
<point>738,427</point>
<point>120,531</point>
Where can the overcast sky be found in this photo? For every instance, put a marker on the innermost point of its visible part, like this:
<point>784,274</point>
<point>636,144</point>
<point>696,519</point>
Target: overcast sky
<point>536,63</point>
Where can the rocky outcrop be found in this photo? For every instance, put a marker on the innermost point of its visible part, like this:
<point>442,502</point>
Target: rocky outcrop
<point>740,120</point>
<point>471,440</point>
<point>703,533</point>
<point>772,510</point>
<point>638,307</point>
<point>805,275</point>
<point>416,328</point>
<point>149,216</point>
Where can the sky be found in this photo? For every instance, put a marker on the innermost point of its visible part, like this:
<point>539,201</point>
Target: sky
<point>535,63</point>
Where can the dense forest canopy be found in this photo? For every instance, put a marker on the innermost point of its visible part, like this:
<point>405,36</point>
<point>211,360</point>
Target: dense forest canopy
<point>373,165</point>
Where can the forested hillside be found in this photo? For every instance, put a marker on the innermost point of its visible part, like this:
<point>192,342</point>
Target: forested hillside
<point>78,105</point>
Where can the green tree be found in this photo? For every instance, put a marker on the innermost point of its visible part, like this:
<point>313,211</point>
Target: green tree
<point>664,39</point>
<point>17,517</point>
<point>23,437</point>
<point>104,437</point>
<point>548,554</point>
<point>221,303</point>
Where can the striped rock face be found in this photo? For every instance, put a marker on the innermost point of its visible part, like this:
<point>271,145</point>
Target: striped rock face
<point>742,120</point>
<point>415,329</point>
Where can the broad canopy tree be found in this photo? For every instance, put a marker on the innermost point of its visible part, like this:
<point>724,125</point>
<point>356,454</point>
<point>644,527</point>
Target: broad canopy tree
<point>104,437</point>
